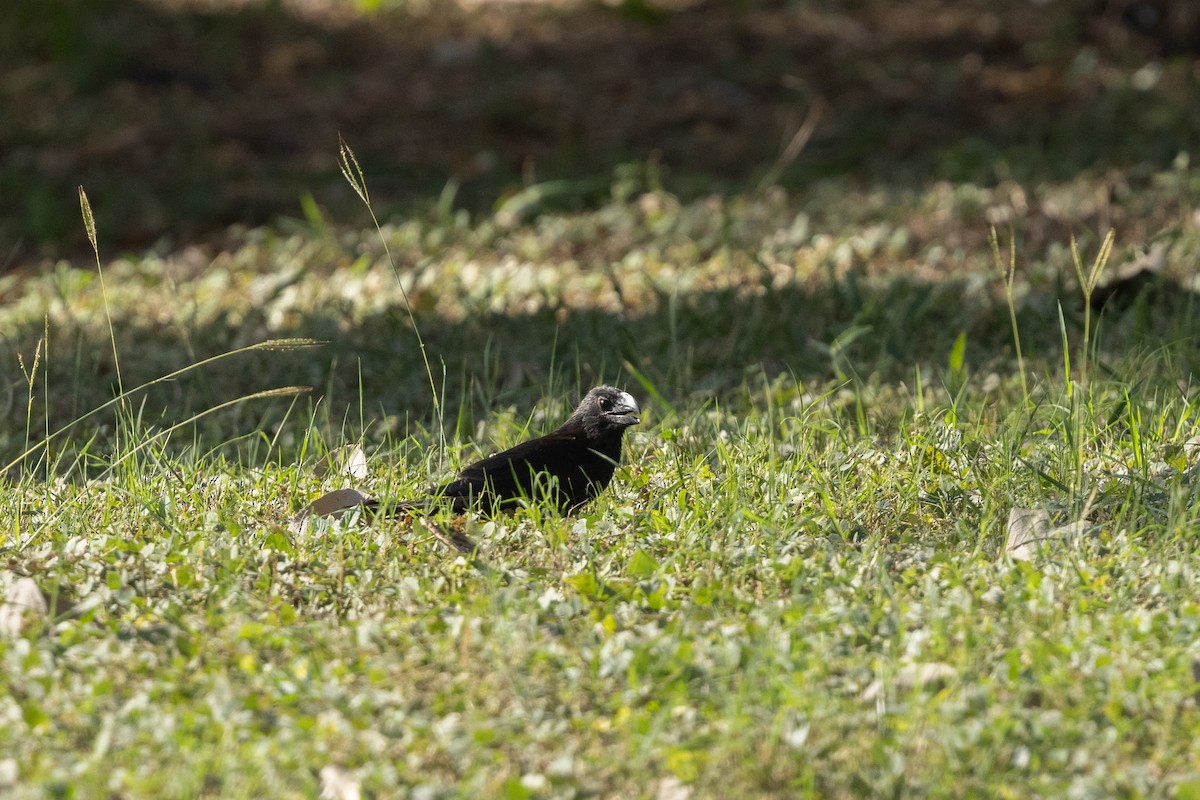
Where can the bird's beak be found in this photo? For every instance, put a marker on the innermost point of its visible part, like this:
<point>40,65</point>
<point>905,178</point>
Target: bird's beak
<point>625,411</point>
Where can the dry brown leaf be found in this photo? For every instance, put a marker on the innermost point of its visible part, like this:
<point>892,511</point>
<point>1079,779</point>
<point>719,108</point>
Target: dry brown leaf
<point>330,504</point>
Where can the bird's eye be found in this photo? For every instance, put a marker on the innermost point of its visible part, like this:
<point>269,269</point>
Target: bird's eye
<point>605,404</point>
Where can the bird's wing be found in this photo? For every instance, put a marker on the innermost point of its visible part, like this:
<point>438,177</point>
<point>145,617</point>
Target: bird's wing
<point>509,475</point>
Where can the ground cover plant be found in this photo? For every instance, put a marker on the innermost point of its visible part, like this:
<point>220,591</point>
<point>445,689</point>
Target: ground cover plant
<point>911,511</point>
<point>798,583</point>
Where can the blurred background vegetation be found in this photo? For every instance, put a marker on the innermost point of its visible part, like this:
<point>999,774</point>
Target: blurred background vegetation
<point>182,117</point>
<point>705,192</point>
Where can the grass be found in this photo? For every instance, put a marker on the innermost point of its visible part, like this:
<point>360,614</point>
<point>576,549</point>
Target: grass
<point>797,585</point>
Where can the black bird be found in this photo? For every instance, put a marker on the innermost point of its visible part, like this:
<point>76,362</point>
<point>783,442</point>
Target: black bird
<point>566,468</point>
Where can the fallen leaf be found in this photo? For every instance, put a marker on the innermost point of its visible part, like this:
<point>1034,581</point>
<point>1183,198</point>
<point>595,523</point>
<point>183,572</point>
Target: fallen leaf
<point>356,463</point>
<point>924,674</point>
<point>919,675</point>
<point>1026,528</point>
<point>25,603</point>
<point>338,784</point>
<point>330,504</point>
<point>1029,530</point>
<point>1133,279</point>
<point>350,461</point>
<point>671,788</point>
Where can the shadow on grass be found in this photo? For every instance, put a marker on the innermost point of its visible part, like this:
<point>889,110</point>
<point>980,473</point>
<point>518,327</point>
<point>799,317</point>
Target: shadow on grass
<point>709,345</point>
<point>180,121</point>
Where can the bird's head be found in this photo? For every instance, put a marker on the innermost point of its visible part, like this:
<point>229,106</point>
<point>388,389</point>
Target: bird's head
<point>606,408</point>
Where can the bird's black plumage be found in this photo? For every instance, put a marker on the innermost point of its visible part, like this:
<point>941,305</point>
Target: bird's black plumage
<point>566,468</point>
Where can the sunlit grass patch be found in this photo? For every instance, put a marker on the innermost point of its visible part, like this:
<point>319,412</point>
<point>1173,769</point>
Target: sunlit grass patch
<point>801,582</point>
